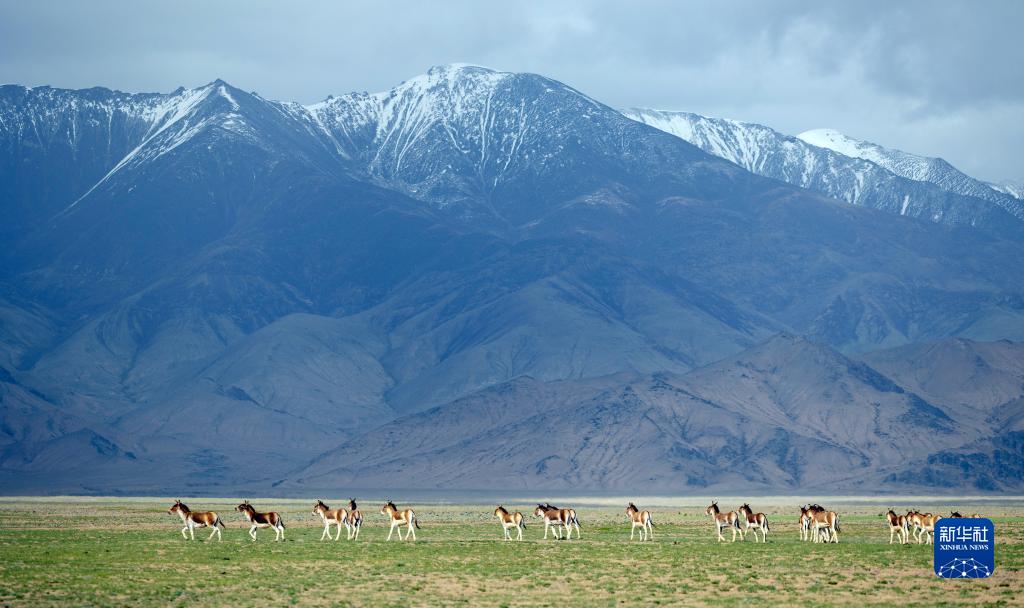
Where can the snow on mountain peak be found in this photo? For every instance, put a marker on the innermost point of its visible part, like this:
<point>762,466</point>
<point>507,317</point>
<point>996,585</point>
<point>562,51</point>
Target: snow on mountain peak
<point>827,161</point>
<point>914,166</point>
<point>843,144</point>
<point>175,118</point>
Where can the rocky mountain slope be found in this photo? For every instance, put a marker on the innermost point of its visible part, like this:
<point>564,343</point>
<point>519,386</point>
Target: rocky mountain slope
<point>784,415</point>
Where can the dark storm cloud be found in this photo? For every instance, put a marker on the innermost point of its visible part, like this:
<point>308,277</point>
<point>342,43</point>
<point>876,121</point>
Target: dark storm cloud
<point>943,79</point>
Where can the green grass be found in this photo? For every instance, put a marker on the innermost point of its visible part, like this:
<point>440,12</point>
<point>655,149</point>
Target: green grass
<point>130,552</point>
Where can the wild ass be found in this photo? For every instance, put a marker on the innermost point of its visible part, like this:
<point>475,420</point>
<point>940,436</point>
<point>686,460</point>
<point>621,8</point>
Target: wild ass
<point>337,517</point>
<point>399,518</point>
<point>825,526</point>
<point>196,519</point>
<point>509,521</point>
<point>898,526</point>
<point>806,513</point>
<point>928,528</point>
<point>261,520</point>
<point>723,520</point>
<point>641,519</point>
<point>917,523</point>
<point>754,522</point>
<point>355,520</point>
<point>556,518</point>
<point>552,519</point>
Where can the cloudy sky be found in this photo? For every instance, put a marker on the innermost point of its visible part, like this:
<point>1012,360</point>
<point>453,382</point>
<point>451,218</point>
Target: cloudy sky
<point>938,78</point>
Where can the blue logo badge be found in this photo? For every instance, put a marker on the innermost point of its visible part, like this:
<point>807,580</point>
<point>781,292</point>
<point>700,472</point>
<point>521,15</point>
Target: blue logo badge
<point>965,548</point>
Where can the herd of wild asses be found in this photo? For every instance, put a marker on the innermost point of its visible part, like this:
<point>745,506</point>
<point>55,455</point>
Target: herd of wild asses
<point>816,523</point>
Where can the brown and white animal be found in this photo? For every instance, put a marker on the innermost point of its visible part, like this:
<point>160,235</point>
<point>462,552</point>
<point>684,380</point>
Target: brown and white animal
<point>825,526</point>
<point>641,519</point>
<point>509,521</point>
<point>721,520</point>
<point>567,517</point>
<point>398,519</point>
<point>928,522</point>
<point>336,517</point>
<point>898,527</point>
<point>917,523</point>
<point>261,520</point>
<point>196,519</point>
<point>355,520</point>
<point>552,519</point>
<point>805,520</point>
<point>753,522</point>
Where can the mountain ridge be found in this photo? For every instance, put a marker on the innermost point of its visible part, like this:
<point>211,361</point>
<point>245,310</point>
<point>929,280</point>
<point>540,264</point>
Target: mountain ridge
<point>839,171</point>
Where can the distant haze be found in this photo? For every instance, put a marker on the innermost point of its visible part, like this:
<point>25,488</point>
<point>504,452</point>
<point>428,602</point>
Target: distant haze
<point>942,79</point>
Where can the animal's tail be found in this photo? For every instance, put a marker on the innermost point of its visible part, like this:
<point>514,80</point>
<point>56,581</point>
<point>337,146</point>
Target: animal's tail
<point>218,522</point>
<point>766,529</point>
<point>838,529</point>
<point>416,521</point>
<point>650,520</point>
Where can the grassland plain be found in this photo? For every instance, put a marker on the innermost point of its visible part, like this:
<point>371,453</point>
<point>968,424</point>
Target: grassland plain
<point>121,552</point>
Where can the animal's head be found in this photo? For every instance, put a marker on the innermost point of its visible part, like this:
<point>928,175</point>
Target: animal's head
<point>712,508</point>
<point>352,504</point>
<point>539,511</point>
<point>388,506</point>
<point>178,507</point>
<point>500,511</point>
<point>245,507</point>
<point>319,507</point>
<point>746,507</point>
<point>631,508</point>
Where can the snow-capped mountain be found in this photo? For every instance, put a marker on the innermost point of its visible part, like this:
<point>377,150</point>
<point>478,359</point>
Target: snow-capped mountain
<point>208,285</point>
<point>838,172</point>
<point>913,166</point>
<point>60,147</point>
<point>468,137</point>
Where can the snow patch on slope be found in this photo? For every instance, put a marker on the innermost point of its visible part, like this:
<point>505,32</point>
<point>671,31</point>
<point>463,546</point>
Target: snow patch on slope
<point>837,142</point>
